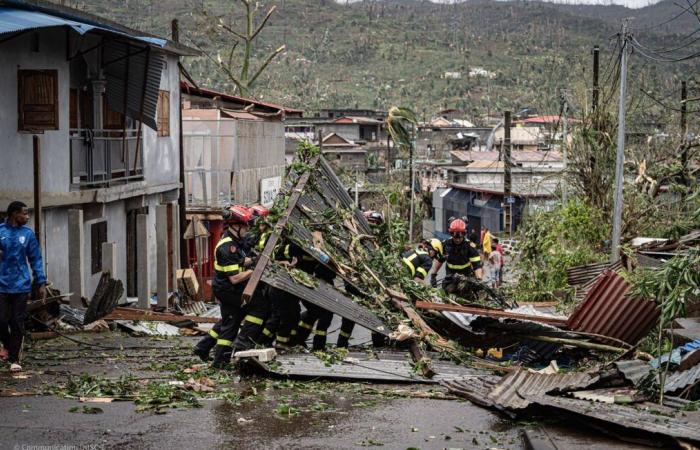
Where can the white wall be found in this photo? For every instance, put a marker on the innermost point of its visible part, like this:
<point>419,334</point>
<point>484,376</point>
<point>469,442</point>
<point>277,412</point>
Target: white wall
<point>161,155</point>
<point>16,148</point>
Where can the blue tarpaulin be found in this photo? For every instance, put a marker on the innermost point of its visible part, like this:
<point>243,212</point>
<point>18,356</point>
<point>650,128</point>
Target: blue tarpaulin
<point>13,20</point>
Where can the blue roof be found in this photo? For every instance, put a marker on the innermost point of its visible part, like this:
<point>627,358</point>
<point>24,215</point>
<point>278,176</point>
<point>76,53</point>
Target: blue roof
<point>13,20</point>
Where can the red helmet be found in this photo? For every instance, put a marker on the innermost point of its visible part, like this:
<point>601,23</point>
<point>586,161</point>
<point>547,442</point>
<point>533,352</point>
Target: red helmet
<point>237,214</point>
<point>259,211</point>
<point>457,226</point>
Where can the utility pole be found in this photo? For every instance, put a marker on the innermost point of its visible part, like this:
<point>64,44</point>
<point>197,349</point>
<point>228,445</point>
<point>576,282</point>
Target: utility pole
<point>182,198</point>
<point>620,157</point>
<point>596,89</point>
<point>684,129</point>
<point>565,147</point>
<point>507,179</point>
<point>411,177</point>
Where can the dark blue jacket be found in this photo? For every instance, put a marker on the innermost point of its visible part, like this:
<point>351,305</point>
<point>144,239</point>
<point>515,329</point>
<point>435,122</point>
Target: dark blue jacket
<point>19,246</point>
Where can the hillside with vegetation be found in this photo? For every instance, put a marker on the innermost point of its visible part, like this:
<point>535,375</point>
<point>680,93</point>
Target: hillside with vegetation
<point>420,54</point>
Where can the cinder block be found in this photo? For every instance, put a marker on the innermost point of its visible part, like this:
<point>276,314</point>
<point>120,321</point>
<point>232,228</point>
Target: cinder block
<point>262,354</point>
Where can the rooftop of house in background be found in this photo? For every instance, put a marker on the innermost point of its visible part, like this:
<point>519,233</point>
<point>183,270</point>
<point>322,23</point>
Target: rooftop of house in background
<point>336,141</point>
<point>248,104</point>
<point>358,120</point>
<point>544,120</point>
<point>517,156</point>
<point>497,189</point>
<point>442,122</point>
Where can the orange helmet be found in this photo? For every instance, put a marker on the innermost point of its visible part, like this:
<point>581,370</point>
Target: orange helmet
<point>457,226</point>
<point>236,214</point>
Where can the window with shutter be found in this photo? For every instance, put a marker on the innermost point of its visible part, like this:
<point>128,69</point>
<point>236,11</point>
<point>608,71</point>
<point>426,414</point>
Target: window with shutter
<point>37,98</point>
<point>163,113</point>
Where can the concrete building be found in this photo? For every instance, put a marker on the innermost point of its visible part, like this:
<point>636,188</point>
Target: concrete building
<point>102,102</point>
<point>475,187</point>
<point>234,151</point>
<point>344,154</point>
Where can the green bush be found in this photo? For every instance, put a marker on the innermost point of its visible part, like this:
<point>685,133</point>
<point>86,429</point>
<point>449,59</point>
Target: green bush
<point>553,241</point>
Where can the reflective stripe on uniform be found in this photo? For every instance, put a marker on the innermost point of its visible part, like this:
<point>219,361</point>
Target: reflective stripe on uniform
<point>230,268</point>
<point>459,266</point>
<point>286,252</point>
<point>213,334</point>
<point>220,268</point>
<point>423,271</point>
<point>267,332</point>
<point>305,325</point>
<point>320,332</point>
<point>475,259</point>
<point>294,332</point>
<point>262,241</point>
<point>282,339</point>
<point>344,334</point>
<point>253,319</point>
<point>409,262</point>
<point>224,343</point>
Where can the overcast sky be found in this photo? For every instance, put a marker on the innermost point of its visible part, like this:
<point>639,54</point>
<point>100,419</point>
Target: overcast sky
<point>628,3</point>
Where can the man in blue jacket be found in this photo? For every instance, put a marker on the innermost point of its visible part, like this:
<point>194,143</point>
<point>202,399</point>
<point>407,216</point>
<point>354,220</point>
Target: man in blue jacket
<point>19,249</point>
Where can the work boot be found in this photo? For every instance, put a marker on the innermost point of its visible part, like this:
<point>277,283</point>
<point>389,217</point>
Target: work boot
<point>378,340</point>
<point>319,343</point>
<point>222,356</point>
<point>343,341</point>
<point>201,353</point>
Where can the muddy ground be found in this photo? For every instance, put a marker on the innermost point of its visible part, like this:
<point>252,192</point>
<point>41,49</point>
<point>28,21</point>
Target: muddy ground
<point>42,406</point>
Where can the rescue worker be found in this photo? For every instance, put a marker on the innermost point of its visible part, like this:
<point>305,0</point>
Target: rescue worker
<point>262,229</point>
<point>420,260</point>
<point>281,324</point>
<point>232,265</point>
<point>19,252</point>
<point>462,258</point>
<point>315,314</point>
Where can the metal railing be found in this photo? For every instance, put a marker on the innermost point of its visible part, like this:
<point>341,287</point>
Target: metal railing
<point>105,157</point>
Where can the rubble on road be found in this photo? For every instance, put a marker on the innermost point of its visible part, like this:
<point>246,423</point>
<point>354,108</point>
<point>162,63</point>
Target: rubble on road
<point>480,346</point>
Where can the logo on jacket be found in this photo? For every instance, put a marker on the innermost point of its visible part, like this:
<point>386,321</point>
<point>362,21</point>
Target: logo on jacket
<point>22,239</point>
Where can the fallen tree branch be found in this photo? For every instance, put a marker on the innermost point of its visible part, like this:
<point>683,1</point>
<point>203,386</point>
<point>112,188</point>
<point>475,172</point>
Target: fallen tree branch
<point>577,343</point>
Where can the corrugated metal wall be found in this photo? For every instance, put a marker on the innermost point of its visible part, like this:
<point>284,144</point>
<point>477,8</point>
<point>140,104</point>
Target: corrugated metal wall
<point>259,154</point>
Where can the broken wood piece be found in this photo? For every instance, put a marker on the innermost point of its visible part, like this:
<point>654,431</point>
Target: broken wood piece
<point>419,357</point>
<point>577,343</point>
<point>96,399</point>
<point>498,313</point>
<point>139,314</point>
<point>269,249</point>
<point>434,339</point>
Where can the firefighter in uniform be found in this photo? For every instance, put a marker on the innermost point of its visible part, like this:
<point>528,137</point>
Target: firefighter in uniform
<point>462,258</point>
<point>420,260</point>
<point>232,266</point>
<point>262,231</point>
<point>280,327</point>
<point>314,314</point>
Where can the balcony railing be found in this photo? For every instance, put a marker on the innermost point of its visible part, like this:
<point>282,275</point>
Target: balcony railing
<point>105,157</point>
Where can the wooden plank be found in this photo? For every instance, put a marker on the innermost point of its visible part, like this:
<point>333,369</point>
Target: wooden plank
<point>138,314</point>
<point>266,255</point>
<point>499,313</point>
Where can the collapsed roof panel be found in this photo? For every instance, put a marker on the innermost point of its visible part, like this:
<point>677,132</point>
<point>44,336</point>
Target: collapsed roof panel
<point>327,297</point>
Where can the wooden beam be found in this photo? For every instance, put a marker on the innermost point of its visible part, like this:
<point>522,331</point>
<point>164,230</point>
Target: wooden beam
<point>138,314</point>
<point>499,313</point>
<point>266,255</point>
<point>433,338</point>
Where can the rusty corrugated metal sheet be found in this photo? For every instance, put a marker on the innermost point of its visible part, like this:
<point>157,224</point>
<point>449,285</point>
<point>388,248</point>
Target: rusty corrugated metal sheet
<point>514,389</point>
<point>607,310</point>
<point>641,419</point>
<point>580,275</point>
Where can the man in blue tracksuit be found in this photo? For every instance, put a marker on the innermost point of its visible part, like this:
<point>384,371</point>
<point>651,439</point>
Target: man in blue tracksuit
<point>19,249</point>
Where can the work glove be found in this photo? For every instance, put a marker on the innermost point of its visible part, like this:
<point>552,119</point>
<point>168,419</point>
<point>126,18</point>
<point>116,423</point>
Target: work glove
<point>433,280</point>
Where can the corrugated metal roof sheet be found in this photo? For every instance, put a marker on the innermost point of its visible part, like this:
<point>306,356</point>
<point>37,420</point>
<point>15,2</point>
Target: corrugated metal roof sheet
<point>633,370</point>
<point>608,311</point>
<point>125,70</point>
<point>387,367</point>
<point>680,380</point>
<point>579,275</point>
<point>327,297</point>
<point>514,389</point>
<point>649,418</point>
<point>476,390</point>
